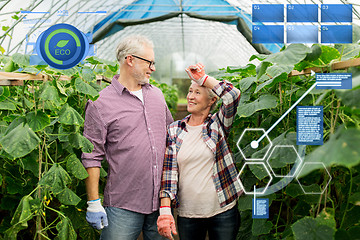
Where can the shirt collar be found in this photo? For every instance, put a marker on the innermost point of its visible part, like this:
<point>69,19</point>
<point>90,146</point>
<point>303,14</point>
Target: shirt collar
<point>186,119</point>
<point>120,88</point>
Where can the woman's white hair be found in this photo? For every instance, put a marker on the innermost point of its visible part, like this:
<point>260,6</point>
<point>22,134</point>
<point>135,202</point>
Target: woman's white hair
<point>211,95</point>
<point>133,44</point>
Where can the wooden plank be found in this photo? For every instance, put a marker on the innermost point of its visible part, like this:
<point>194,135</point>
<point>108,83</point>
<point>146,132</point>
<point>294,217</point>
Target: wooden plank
<point>346,64</point>
<point>29,76</point>
<point>7,82</point>
<point>16,79</point>
<point>100,78</point>
<point>335,66</point>
<point>305,71</point>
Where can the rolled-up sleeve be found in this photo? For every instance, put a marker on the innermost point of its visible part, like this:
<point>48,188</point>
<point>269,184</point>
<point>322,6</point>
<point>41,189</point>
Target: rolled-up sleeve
<point>230,100</point>
<point>170,171</point>
<point>95,131</point>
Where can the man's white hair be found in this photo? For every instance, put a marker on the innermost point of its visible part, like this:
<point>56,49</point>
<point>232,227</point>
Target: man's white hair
<point>133,44</point>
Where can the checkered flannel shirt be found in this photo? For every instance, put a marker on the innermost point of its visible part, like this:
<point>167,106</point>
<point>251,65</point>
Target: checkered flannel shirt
<point>215,131</point>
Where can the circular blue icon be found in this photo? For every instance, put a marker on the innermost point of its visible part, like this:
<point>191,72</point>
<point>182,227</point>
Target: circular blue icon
<point>62,46</point>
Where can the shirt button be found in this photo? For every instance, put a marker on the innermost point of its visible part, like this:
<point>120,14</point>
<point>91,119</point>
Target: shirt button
<point>154,166</point>
<point>149,129</point>
<point>153,147</point>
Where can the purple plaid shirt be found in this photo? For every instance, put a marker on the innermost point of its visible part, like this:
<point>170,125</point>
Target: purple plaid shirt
<point>132,137</point>
<point>215,131</point>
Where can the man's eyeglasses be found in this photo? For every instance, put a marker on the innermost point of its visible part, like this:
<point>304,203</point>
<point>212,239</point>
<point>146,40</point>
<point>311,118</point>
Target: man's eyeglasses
<point>151,63</point>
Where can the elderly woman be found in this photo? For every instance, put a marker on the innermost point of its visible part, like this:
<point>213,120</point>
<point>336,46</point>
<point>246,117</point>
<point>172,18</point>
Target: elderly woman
<point>199,175</point>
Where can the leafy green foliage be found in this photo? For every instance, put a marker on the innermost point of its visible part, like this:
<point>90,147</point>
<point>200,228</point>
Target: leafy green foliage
<point>268,91</point>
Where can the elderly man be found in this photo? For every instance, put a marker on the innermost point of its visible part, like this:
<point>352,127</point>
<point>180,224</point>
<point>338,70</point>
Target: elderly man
<point>127,126</point>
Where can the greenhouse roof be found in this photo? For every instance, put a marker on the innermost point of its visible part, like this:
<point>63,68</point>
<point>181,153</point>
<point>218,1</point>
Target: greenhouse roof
<point>215,32</point>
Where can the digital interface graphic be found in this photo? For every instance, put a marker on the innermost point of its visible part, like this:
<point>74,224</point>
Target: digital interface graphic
<point>271,26</point>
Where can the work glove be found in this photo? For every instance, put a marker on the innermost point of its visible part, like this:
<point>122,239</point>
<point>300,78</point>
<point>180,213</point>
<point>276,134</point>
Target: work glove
<point>166,223</point>
<point>197,73</point>
<point>96,215</point>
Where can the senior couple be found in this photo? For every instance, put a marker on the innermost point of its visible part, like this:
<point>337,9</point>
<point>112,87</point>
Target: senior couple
<point>156,164</point>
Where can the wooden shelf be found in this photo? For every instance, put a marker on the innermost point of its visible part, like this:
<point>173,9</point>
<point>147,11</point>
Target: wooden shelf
<point>335,66</point>
<point>17,79</point>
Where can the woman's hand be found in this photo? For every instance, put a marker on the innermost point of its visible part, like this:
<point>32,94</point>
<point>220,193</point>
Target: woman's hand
<point>197,73</point>
<point>166,223</point>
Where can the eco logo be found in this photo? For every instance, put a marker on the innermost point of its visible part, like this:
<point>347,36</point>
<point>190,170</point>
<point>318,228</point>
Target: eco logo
<point>62,46</point>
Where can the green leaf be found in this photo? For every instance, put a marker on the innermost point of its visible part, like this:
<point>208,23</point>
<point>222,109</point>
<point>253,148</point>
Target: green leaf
<point>292,55</point>
<point>309,228</point>
<point>103,173</point>
<point>94,60</point>
<point>7,105</point>
<point>87,232</point>
<point>328,54</point>
<point>65,230</point>
<point>268,81</point>
<point>20,218</point>
<point>240,69</point>
<point>15,122</point>
<point>264,102</point>
<point>259,57</point>
<point>342,149</point>
<point>261,226</point>
<point>245,83</point>
<point>355,198</point>
<point>63,135</point>
<point>50,93</point>
<point>2,50</point>
<point>1,179</point>
<point>21,60</point>
<point>350,98</point>
<point>37,120</point>
<point>74,166</point>
<point>68,197</point>
<point>76,215</point>
<point>10,66</point>
<point>79,141</point>
<point>354,232</point>
<point>279,72</point>
<point>342,234</point>
<point>85,88</point>
<point>348,51</point>
<point>13,186</point>
<point>30,70</point>
<point>352,217</point>
<point>69,116</point>
<point>62,43</point>
<point>30,163</point>
<point>87,74</point>
<point>68,72</point>
<point>4,93</point>
<point>261,69</point>
<point>314,54</point>
<point>20,141</point>
<point>294,190</point>
<point>3,127</point>
<point>56,179</point>
<point>60,88</point>
<point>23,212</point>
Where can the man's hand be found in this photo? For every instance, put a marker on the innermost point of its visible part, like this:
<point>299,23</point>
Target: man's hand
<point>166,223</point>
<point>197,73</point>
<point>96,215</point>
